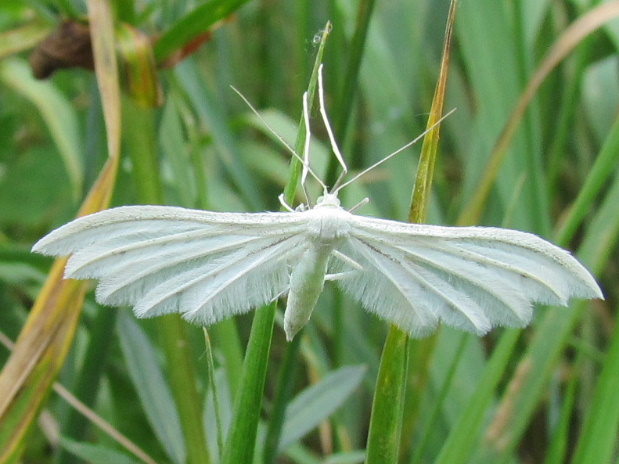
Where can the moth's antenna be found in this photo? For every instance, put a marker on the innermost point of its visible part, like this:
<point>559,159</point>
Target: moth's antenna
<point>325,118</point>
<point>388,157</point>
<point>281,139</point>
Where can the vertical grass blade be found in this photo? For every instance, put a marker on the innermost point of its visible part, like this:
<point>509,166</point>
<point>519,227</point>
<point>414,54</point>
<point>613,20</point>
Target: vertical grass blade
<point>572,36</point>
<point>351,80</point>
<point>44,342</point>
<point>141,139</point>
<point>60,117</point>
<point>386,422</point>
<point>241,440</point>
<point>465,435</point>
<point>387,408</point>
<point>553,330</point>
<point>152,387</point>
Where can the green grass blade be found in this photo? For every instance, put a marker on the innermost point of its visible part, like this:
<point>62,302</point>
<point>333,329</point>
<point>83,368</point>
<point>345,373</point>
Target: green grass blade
<point>153,389</point>
<point>285,388</point>
<point>242,435</point>
<point>465,435</point>
<point>140,137</point>
<point>95,454</point>
<point>599,437</point>
<point>605,164</point>
<point>387,409</point>
<point>241,439</point>
<point>58,114</point>
<point>194,24</point>
<point>386,422</point>
<point>317,402</point>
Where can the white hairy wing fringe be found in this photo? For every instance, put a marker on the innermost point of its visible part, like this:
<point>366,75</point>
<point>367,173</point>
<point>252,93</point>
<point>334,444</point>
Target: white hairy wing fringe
<point>161,259</point>
<point>246,279</point>
<point>472,278</point>
<point>148,222</point>
<point>554,266</point>
<point>129,283</point>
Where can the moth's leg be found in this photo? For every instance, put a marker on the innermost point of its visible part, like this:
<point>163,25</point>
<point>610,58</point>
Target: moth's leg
<point>343,275</point>
<point>340,275</point>
<point>342,257</point>
<point>365,201</point>
<point>286,206</point>
<point>325,118</point>
<point>279,295</point>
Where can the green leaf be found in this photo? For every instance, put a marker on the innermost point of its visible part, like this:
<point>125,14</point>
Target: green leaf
<point>196,22</point>
<point>95,454</point>
<point>316,403</point>
<point>152,387</point>
<point>57,112</point>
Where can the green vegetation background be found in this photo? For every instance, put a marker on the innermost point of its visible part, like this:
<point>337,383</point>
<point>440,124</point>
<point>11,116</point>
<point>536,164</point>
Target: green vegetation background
<point>547,394</point>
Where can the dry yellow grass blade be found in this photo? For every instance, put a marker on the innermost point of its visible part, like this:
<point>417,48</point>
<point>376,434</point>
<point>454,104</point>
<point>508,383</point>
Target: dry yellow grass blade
<point>39,354</point>
<point>47,336</point>
<point>43,343</point>
<point>106,68</point>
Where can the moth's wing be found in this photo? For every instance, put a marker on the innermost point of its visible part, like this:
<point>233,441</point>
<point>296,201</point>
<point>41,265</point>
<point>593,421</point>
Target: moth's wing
<point>473,278</point>
<point>161,259</point>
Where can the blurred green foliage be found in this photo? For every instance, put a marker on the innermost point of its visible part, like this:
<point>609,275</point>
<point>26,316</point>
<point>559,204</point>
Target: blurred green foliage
<point>533,391</point>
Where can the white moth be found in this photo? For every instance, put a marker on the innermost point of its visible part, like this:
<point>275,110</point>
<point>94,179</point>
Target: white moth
<point>209,266</point>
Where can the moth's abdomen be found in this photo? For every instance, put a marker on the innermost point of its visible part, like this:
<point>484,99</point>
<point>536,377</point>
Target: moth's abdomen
<point>306,284</point>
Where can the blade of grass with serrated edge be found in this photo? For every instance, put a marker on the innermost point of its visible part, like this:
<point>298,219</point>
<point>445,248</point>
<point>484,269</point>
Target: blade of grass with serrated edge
<point>241,440</point>
<point>384,437</point>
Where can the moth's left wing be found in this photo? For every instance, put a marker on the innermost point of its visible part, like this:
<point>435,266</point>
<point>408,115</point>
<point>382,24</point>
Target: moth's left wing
<point>473,278</point>
<point>161,259</point>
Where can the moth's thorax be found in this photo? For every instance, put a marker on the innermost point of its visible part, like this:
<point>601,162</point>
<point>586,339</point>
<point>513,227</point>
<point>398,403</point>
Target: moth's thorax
<point>328,220</point>
<point>328,200</point>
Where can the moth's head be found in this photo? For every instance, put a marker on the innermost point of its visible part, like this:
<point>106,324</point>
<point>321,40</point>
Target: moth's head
<point>328,199</point>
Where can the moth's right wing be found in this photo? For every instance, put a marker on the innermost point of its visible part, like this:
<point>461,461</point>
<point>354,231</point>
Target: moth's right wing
<point>472,278</point>
<point>161,259</point>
